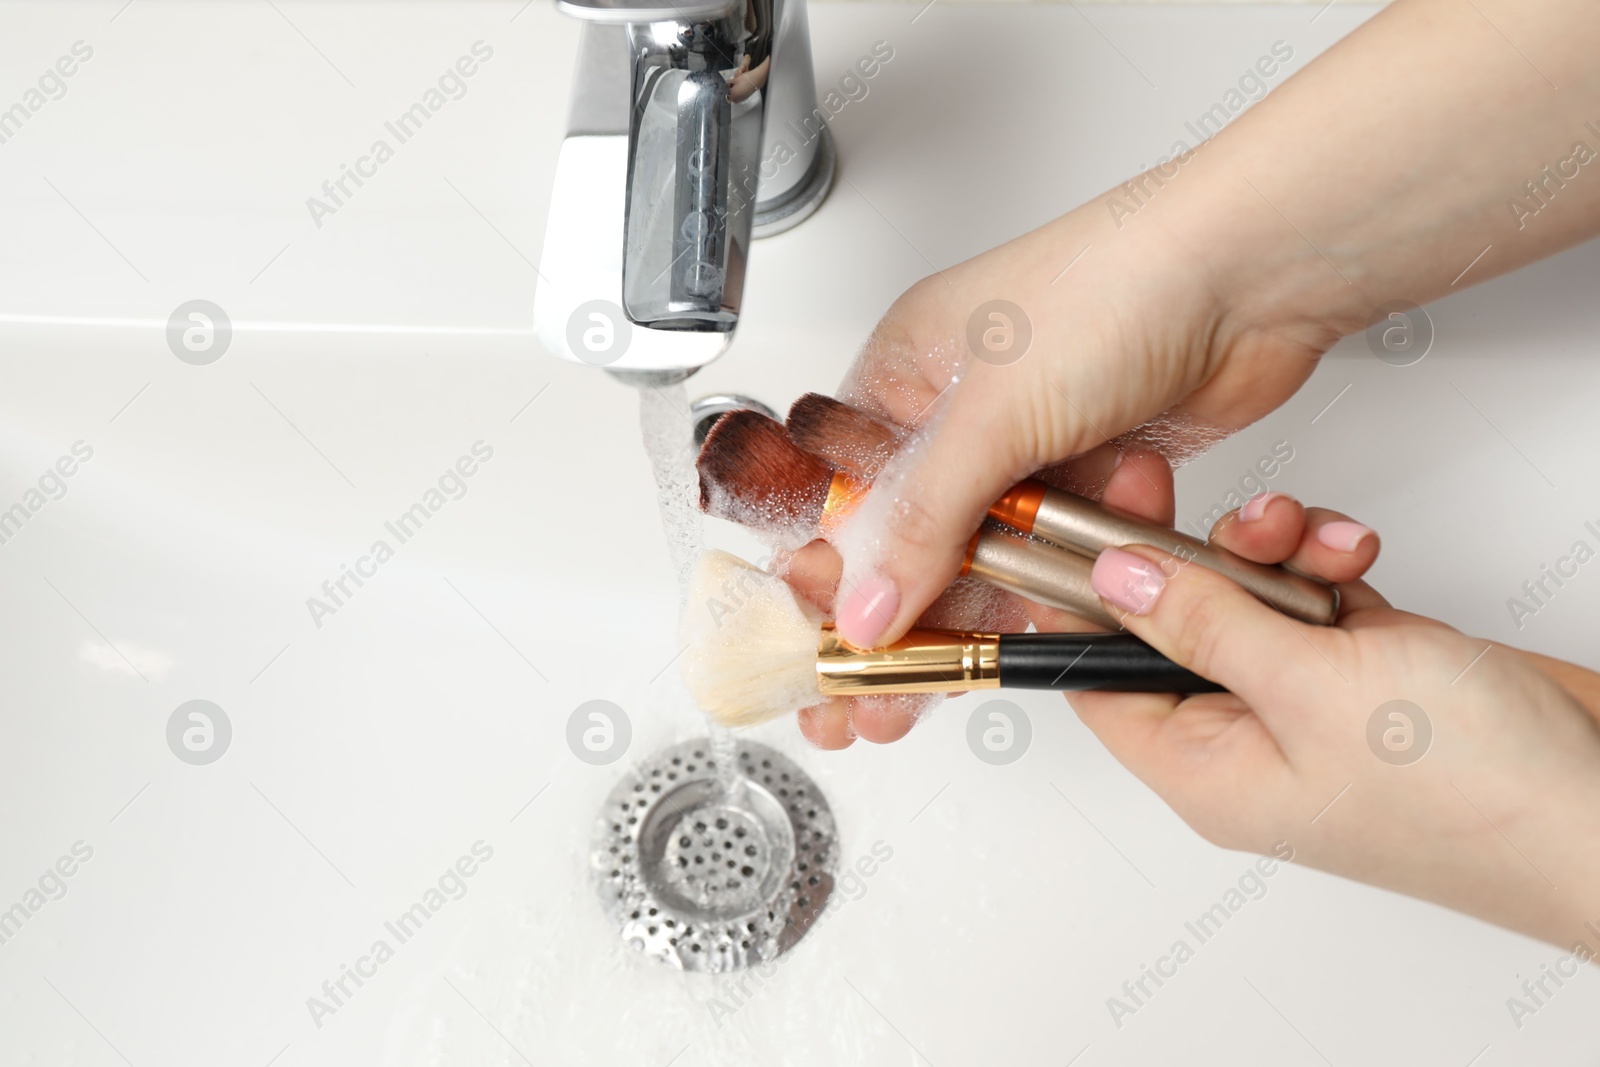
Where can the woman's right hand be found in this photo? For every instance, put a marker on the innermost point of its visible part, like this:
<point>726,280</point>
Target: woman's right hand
<point>1142,324</point>
<point>1209,286</point>
<point>1043,350</point>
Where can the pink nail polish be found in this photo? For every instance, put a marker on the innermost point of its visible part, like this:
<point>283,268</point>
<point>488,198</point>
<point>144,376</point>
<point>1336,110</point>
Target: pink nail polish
<point>1256,506</point>
<point>1126,580</point>
<point>1343,536</point>
<point>866,611</point>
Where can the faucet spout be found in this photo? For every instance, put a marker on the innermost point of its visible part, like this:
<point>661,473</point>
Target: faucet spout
<point>695,131</point>
<point>661,185</point>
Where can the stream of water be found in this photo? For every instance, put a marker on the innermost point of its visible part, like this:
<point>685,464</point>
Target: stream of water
<point>668,432</point>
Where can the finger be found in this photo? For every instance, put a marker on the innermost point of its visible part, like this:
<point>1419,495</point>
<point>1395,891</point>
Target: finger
<point>1205,622</point>
<point>1274,528</point>
<point>1137,481</point>
<point>1335,548</point>
<point>890,716</point>
<point>905,542</point>
<point>812,572</point>
<point>827,725</point>
<point>1131,726</point>
<point>1209,757</point>
<point>1267,529</point>
<point>1141,485</point>
<point>1160,737</point>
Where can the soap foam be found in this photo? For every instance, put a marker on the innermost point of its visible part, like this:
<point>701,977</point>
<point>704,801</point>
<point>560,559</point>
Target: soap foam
<point>861,538</point>
<point>785,520</point>
<point>1177,435</point>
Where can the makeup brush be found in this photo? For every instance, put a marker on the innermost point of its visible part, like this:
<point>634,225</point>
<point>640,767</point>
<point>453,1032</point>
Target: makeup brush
<point>753,474</point>
<point>755,653</point>
<point>846,437</point>
<point>856,442</point>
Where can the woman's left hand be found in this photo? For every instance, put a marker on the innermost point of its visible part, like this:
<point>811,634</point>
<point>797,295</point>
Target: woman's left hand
<point>1388,748</point>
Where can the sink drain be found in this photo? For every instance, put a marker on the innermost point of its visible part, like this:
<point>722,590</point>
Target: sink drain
<point>711,876</point>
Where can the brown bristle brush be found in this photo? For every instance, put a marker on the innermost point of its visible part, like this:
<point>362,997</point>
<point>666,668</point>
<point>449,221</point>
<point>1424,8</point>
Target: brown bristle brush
<point>856,442</point>
<point>846,437</point>
<point>755,653</point>
<point>753,474</point>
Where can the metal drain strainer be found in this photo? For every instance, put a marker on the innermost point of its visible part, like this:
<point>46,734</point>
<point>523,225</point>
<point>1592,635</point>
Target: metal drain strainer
<point>709,874</point>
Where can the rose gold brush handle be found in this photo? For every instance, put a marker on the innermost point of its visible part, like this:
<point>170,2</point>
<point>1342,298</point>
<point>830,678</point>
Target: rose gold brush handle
<point>1038,572</point>
<point>1087,527</point>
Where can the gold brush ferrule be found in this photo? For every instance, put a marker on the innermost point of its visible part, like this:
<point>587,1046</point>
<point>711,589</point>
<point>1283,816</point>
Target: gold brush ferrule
<point>923,661</point>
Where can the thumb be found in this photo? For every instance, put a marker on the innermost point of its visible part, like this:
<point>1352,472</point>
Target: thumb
<point>904,544</point>
<point>1203,621</point>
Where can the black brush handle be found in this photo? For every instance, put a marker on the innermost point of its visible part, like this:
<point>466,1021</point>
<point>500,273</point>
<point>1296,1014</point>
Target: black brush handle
<point>1118,663</point>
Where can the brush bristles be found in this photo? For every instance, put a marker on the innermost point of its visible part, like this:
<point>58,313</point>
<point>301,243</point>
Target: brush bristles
<point>848,438</point>
<point>752,474</point>
<point>751,647</point>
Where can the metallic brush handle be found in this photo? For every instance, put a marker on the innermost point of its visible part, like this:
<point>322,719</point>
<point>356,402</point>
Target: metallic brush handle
<point>1087,527</point>
<point>1037,572</point>
<point>923,661</point>
<point>941,661</point>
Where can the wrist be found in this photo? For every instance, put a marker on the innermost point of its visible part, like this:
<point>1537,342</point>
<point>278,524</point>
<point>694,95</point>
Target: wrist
<point>1581,684</point>
<point>1324,202</point>
<point>1248,305</point>
<point>1552,892</point>
<point>1248,246</point>
<point>1577,927</point>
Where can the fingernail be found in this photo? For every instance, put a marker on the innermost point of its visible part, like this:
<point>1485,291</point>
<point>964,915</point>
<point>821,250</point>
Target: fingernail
<point>1126,580</point>
<point>1256,506</point>
<point>1343,536</point>
<point>866,611</point>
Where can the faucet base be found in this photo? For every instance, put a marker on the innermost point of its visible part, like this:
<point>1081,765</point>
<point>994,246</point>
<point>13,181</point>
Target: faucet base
<point>652,379</point>
<point>799,203</point>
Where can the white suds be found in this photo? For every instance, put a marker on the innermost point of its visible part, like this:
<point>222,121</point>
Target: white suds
<point>1177,435</point>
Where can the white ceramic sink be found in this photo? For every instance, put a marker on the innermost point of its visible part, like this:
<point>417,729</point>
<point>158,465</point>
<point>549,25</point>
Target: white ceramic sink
<point>373,746</point>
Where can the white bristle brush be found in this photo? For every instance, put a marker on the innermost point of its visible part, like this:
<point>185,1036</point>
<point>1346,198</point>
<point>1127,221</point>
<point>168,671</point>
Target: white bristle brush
<point>755,653</point>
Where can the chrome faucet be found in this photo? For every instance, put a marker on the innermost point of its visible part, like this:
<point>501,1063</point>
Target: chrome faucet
<point>694,127</point>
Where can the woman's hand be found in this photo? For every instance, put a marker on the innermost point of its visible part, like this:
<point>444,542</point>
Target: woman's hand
<point>1136,327</point>
<point>1388,748</point>
<point>1020,359</point>
<point>1208,286</point>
